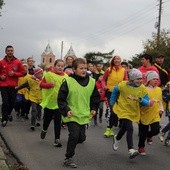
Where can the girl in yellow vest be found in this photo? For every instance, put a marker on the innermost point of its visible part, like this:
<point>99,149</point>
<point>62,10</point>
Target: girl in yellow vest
<point>112,77</point>
<point>78,101</point>
<point>35,96</point>
<point>126,99</point>
<point>50,86</point>
<point>150,116</point>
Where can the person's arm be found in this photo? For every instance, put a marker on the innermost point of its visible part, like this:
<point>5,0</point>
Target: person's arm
<point>105,76</point>
<point>20,72</point>
<point>144,101</point>
<point>126,75</point>
<point>62,99</point>
<point>46,85</point>
<point>24,85</point>
<point>95,99</point>
<point>114,95</point>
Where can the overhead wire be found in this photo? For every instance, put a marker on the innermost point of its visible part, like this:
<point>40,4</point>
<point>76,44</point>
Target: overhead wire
<point>125,22</point>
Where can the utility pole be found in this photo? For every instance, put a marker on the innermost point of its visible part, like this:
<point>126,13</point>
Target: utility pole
<point>159,24</point>
<point>62,50</point>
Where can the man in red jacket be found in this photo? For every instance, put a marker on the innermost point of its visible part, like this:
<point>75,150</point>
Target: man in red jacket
<point>10,69</point>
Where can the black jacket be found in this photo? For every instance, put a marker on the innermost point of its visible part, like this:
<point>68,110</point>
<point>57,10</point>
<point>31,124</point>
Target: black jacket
<point>63,93</point>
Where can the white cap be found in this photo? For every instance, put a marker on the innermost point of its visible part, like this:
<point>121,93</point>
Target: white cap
<point>134,74</point>
<point>151,75</point>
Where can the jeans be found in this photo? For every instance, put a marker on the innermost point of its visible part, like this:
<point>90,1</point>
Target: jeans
<point>35,113</point>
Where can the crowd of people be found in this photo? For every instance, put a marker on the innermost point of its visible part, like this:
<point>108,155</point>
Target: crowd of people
<point>76,92</point>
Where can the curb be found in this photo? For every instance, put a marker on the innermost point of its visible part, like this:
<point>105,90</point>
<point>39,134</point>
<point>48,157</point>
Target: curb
<point>3,159</point>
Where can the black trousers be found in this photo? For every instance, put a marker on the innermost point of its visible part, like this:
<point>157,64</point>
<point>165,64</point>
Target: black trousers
<point>76,135</point>
<point>113,120</point>
<point>126,126</point>
<point>50,114</point>
<point>145,132</point>
<point>8,101</point>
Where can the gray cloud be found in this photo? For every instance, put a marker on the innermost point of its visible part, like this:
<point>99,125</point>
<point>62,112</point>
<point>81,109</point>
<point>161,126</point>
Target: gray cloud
<point>89,25</point>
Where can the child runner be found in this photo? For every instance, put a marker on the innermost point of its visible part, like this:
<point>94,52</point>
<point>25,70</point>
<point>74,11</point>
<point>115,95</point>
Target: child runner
<point>150,116</point>
<point>166,97</point>
<point>35,96</point>
<point>50,86</point>
<point>101,91</point>
<point>126,99</point>
<point>78,100</point>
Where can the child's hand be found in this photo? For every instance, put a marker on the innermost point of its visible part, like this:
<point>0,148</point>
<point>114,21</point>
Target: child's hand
<point>69,114</point>
<point>92,113</point>
<point>161,112</point>
<point>151,102</point>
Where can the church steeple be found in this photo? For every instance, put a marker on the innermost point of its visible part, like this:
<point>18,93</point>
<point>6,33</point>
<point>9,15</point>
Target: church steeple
<point>47,57</point>
<point>48,49</point>
<point>70,53</point>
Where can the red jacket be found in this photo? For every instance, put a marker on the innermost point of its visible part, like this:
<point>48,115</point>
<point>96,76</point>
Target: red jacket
<point>14,65</point>
<point>101,90</point>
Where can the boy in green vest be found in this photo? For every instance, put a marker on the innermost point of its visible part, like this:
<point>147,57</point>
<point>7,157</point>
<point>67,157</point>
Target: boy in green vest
<point>78,101</point>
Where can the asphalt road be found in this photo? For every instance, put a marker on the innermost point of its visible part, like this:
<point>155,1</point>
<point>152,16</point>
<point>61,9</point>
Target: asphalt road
<point>94,154</point>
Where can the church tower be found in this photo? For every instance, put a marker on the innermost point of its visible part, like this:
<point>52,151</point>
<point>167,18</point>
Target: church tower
<point>48,57</point>
<point>70,53</point>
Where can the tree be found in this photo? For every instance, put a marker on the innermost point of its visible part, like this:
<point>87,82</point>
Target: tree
<point>1,4</point>
<point>151,47</point>
<point>98,57</point>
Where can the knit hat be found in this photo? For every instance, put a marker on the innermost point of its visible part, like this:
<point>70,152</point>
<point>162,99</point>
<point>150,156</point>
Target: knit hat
<point>151,75</point>
<point>37,70</point>
<point>134,74</point>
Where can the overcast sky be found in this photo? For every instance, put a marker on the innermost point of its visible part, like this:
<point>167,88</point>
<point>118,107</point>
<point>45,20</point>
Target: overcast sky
<point>89,25</point>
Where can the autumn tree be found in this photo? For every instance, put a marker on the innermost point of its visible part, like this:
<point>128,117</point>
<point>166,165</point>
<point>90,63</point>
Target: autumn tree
<point>1,4</point>
<point>152,47</point>
<point>98,57</point>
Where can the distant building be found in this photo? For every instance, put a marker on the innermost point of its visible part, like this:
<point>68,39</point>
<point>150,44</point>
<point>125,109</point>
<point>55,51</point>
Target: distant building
<point>70,53</point>
<point>47,57</point>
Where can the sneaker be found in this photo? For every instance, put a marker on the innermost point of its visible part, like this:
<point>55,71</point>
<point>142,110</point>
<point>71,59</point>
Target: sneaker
<point>43,134</point>
<point>32,128</point>
<point>115,143</point>
<point>142,151</point>
<point>4,123</point>
<point>57,143</point>
<point>161,136</point>
<point>167,142</point>
<point>149,141</point>
<point>10,118</point>
<point>108,132</point>
<point>70,163</point>
<point>133,153</point>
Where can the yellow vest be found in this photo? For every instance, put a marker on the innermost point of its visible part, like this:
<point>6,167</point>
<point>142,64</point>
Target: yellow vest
<point>115,77</point>
<point>49,96</point>
<point>24,91</point>
<point>35,93</point>
<point>151,114</point>
<point>127,106</point>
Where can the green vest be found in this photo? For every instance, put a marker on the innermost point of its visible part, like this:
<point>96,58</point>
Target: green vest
<point>79,100</point>
<point>49,96</point>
